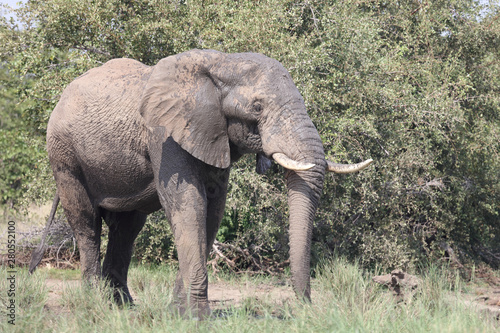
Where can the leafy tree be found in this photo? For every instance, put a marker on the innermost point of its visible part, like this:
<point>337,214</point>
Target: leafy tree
<point>413,85</point>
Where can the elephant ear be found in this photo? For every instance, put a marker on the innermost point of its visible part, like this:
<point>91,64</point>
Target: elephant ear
<point>182,97</point>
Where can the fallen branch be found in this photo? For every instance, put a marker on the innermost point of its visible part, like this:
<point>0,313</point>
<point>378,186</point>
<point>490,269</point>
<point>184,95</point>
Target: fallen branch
<point>242,261</point>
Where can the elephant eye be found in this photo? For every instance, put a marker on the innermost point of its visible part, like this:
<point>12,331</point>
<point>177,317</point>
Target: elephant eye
<point>257,108</point>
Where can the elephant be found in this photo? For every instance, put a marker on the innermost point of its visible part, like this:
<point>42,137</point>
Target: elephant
<point>127,139</point>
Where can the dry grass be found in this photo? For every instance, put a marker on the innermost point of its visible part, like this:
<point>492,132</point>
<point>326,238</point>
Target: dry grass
<point>345,299</point>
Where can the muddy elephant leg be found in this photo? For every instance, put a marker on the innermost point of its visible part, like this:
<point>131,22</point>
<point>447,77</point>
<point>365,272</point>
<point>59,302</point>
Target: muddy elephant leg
<point>123,230</point>
<point>83,217</point>
<point>198,225</point>
<point>216,190</point>
<point>195,227</point>
<point>188,224</point>
<point>181,189</point>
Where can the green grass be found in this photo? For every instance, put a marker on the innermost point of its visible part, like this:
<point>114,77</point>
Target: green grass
<point>62,274</point>
<point>344,300</point>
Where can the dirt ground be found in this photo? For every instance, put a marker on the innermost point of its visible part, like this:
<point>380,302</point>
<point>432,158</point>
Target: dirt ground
<point>224,295</point>
<point>486,299</point>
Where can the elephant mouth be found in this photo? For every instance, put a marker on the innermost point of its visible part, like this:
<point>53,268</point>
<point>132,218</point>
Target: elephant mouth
<point>253,142</point>
<point>244,138</point>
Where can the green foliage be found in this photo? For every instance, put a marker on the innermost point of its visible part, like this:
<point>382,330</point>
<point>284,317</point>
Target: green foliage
<point>16,162</point>
<point>155,243</point>
<point>416,87</point>
<point>412,85</point>
<point>256,209</point>
<point>17,156</point>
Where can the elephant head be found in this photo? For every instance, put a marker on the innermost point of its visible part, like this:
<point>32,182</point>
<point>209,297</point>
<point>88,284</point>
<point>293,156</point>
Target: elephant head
<point>220,106</point>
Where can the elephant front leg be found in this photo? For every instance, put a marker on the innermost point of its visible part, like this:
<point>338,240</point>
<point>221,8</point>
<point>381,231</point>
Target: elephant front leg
<point>181,189</point>
<point>188,224</point>
<point>195,227</point>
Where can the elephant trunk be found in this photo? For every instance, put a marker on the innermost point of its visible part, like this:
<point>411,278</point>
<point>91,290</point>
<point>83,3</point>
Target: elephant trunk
<point>304,190</point>
<point>297,146</point>
<point>303,196</point>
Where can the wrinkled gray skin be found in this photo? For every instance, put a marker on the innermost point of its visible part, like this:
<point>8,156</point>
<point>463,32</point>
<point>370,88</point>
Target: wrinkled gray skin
<point>127,139</point>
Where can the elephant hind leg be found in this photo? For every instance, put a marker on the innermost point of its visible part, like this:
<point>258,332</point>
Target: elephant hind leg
<point>83,216</point>
<point>123,230</point>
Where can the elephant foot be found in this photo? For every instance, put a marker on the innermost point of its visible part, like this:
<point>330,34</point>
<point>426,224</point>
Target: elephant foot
<point>189,306</point>
<point>121,296</point>
<point>195,310</point>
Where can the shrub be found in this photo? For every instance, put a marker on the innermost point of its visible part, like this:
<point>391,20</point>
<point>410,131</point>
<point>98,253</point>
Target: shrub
<point>412,85</point>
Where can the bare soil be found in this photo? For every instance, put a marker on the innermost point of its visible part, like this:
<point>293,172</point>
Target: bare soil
<point>56,288</point>
<point>487,296</point>
<point>223,295</point>
<point>486,299</point>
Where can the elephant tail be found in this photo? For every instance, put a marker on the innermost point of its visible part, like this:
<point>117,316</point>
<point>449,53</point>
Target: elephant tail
<point>37,255</point>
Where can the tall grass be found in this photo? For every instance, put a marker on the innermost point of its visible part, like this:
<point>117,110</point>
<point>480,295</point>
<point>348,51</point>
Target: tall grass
<point>344,300</point>
<point>30,298</point>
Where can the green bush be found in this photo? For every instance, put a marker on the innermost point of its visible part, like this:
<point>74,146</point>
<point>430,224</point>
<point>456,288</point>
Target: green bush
<point>413,85</point>
<point>155,243</point>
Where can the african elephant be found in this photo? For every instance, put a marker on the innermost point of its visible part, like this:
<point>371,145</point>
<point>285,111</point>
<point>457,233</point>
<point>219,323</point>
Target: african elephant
<point>127,139</point>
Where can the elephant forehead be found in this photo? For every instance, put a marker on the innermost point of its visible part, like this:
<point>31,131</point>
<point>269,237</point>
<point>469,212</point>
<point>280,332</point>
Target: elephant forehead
<point>250,94</point>
<point>197,56</point>
<point>276,87</point>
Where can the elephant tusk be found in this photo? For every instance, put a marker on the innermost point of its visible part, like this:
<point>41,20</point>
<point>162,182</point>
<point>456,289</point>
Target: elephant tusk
<point>290,164</point>
<point>347,168</point>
